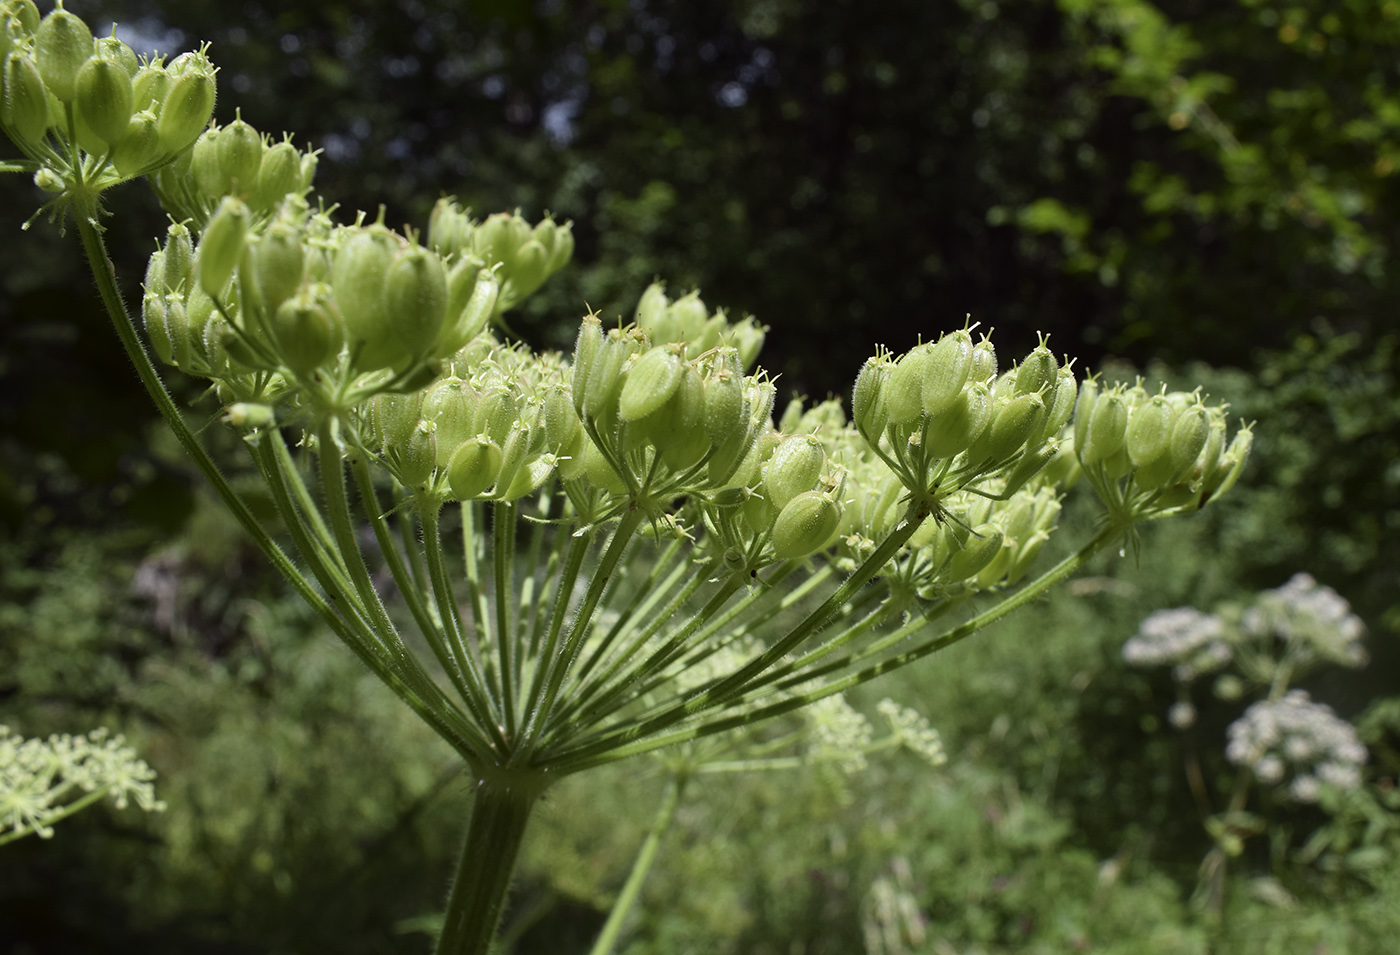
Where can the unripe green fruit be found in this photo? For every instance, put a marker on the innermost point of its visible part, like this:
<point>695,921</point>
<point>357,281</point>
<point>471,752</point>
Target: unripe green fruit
<point>221,246</point>
<point>149,88</point>
<point>87,138</point>
<point>904,390</point>
<point>472,468</point>
<point>278,262</point>
<point>449,227</point>
<point>1189,437</point>
<point>688,316</point>
<point>949,363</point>
<point>417,456</point>
<point>650,383</point>
<point>1037,373</point>
<point>62,44</point>
<point>279,175</point>
<point>652,308</point>
<point>26,104</point>
<point>415,294</point>
<point>1060,401</point>
<point>1105,430</point>
<point>1083,411</point>
<point>805,525</point>
<point>104,98</point>
<point>562,430</point>
<point>514,453</point>
<point>1031,464</point>
<point>979,550</point>
<point>114,49</point>
<point>1149,431</point>
<point>675,429</point>
<point>177,261</point>
<point>496,413</point>
<point>240,156</point>
<point>960,424</point>
<point>868,409</point>
<point>586,350</point>
<point>984,361</point>
<point>563,249</point>
<point>600,400</point>
<point>187,107</point>
<point>139,147</point>
<point>357,276</point>
<point>451,405</point>
<point>1231,465</point>
<point>154,316</point>
<point>795,467</point>
<point>208,173</point>
<point>1012,426</point>
<point>529,270</point>
<point>472,319</point>
<point>26,14</point>
<point>496,239</point>
<point>305,331</point>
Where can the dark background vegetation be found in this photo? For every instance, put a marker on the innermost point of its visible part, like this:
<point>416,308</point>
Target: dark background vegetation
<point>1205,191</point>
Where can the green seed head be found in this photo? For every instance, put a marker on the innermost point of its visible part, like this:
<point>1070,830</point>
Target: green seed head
<point>188,104</point>
<point>104,98</point>
<point>472,468</point>
<point>62,44</point>
<point>948,366</point>
<point>139,147</point>
<point>904,390</point>
<point>650,383</point>
<point>1037,372</point>
<point>1149,431</point>
<point>805,524</point>
<point>415,295</point>
<point>868,409</point>
<point>240,156</point>
<point>953,430</point>
<point>26,104</point>
<point>795,467</point>
<point>977,551</point>
<point>306,331</point>
<point>984,361</point>
<point>278,176</point>
<point>451,405</point>
<point>221,247</point>
<point>358,278</point>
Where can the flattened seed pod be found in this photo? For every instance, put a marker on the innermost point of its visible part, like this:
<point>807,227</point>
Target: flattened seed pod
<point>650,383</point>
<point>806,524</point>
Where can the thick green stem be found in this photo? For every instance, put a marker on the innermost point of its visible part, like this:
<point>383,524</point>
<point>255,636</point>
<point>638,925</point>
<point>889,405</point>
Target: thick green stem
<point>612,928</point>
<point>500,814</point>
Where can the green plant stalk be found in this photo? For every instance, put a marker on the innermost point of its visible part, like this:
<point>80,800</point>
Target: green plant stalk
<point>578,550</point>
<point>635,609</point>
<point>632,888</point>
<point>320,532</point>
<point>557,666</point>
<point>478,698</point>
<point>606,704</point>
<point>398,569</point>
<point>584,695</point>
<point>504,803</point>
<point>503,517</point>
<point>337,501</point>
<point>86,212</point>
<point>476,596</point>
<point>634,740</point>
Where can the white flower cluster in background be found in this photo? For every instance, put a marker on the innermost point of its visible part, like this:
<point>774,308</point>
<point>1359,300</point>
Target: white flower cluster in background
<point>913,732</point>
<point>1312,615</point>
<point>1297,737</point>
<point>1190,641</point>
<point>839,733</point>
<point>42,780</point>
